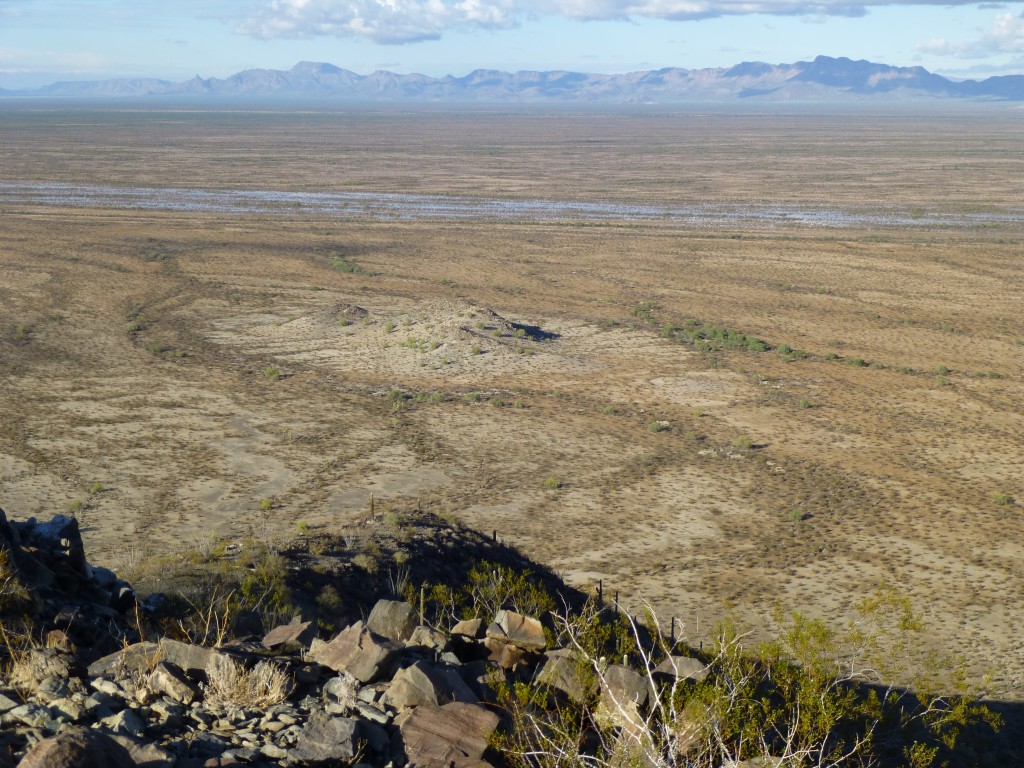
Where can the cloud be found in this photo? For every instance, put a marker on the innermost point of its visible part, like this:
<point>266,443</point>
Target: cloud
<point>406,21</point>
<point>1005,36</point>
<point>382,21</point>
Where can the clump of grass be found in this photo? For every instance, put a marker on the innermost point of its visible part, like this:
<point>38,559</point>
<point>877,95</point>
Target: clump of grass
<point>21,334</point>
<point>341,264</point>
<point>272,373</point>
<point>473,397</point>
<point>857,362</point>
<point>658,426</point>
<point>389,327</point>
<point>941,370</point>
<point>609,410</point>
<point>805,403</point>
<point>1002,499</point>
<point>497,402</point>
<point>96,488</point>
<point>794,515</point>
<point>475,350</point>
<point>743,443</point>
<point>552,483</point>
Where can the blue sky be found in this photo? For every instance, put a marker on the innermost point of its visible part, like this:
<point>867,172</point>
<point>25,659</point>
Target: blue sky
<point>42,41</point>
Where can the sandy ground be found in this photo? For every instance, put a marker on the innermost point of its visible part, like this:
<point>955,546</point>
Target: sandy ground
<point>164,373</point>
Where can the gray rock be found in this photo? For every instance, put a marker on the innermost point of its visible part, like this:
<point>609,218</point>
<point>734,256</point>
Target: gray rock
<point>194,660</point>
<point>32,715</point>
<point>7,703</point>
<point>126,722</point>
<point>67,710</point>
<point>682,668</point>
<point>170,681</point>
<point>51,689</point>
<point>326,738</point>
<point>78,748</point>
<point>452,733</point>
<point>561,672</point>
<point>393,619</point>
<point>622,684</point>
<point>362,653</point>
<point>136,658</point>
<point>42,663</point>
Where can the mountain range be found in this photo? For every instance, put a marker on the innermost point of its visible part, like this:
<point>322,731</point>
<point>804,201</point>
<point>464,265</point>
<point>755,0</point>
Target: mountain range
<point>825,79</point>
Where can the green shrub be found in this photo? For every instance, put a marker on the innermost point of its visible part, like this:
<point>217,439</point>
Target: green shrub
<point>552,483</point>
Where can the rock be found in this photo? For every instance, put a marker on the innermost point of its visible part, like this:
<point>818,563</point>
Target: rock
<point>522,631</point>
<point>452,733</point>
<point>67,710</point>
<point>425,637</point>
<point>624,684</point>
<point>78,748</point>
<point>41,663</point>
<point>424,684</point>
<point>51,689</point>
<point>343,690</point>
<point>504,653</point>
<point>561,672</point>
<point>145,754</point>
<point>137,658</point>
<point>170,681</point>
<point>681,668</point>
<point>6,703</point>
<point>393,619</point>
<point>33,716</point>
<point>194,660</point>
<point>126,722</point>
<point>297,634</point>
<point>326,738</point>
<point>356,650</point>
<point>471,628</point>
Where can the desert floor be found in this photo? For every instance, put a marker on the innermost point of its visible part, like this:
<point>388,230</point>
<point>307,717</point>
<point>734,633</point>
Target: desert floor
<point>165,371</point>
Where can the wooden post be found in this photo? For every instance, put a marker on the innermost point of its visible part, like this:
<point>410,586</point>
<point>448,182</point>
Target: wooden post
<point>494,536</point>
<point>600,594</point>
<point>371,506</point>
<point>672,635</point>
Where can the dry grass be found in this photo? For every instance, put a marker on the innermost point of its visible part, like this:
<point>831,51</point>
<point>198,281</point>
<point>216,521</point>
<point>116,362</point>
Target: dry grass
<point>894,472</point>
<point>231,684</point>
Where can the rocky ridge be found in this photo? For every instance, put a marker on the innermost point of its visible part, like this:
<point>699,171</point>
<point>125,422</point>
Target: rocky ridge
<point>384,691</point>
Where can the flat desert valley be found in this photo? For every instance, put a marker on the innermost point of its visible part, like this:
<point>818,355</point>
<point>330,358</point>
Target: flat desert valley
<point>722,361</point>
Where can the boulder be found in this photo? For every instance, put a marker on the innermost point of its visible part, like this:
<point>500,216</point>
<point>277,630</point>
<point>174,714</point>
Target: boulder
<point>78,748</point>
<point>363,654</point>
<point>471,628</point>
<point>137,658</point>
<point>681,668</point>
<point>423,684</point>
<point>524,632</point>
<point>295,635</point>
<point>194,660</point>
<point>42,663</point>
<point>425,637</point>
<point>393,619</point>
<point>166,679</point>
<point>326,738</point>
<point>564,671</point>
<point>455,733</point>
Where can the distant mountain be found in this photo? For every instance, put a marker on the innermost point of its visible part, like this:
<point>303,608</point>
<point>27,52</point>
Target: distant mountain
<point>825,79</point>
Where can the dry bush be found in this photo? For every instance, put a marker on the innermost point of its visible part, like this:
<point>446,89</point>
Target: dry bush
<point>231,683</point>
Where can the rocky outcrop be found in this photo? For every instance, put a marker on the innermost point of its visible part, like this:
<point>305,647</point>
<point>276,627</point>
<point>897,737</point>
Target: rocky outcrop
<point>388,692</point>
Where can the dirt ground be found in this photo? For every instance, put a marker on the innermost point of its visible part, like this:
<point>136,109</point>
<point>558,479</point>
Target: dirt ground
<point>163,373</point>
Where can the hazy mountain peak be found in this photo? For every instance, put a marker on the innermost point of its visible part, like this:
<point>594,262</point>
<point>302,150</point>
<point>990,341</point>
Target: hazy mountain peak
<point>825,78</point>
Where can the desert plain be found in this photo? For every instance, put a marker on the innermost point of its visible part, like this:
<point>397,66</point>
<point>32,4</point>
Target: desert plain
<point>173,371</point>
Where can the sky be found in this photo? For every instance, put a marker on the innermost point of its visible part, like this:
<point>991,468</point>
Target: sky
<point>43,41</point>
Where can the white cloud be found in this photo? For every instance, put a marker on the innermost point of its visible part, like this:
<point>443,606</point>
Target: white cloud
<point>404,21</point>
<point>1005,36</point>
<point>383,21</point>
